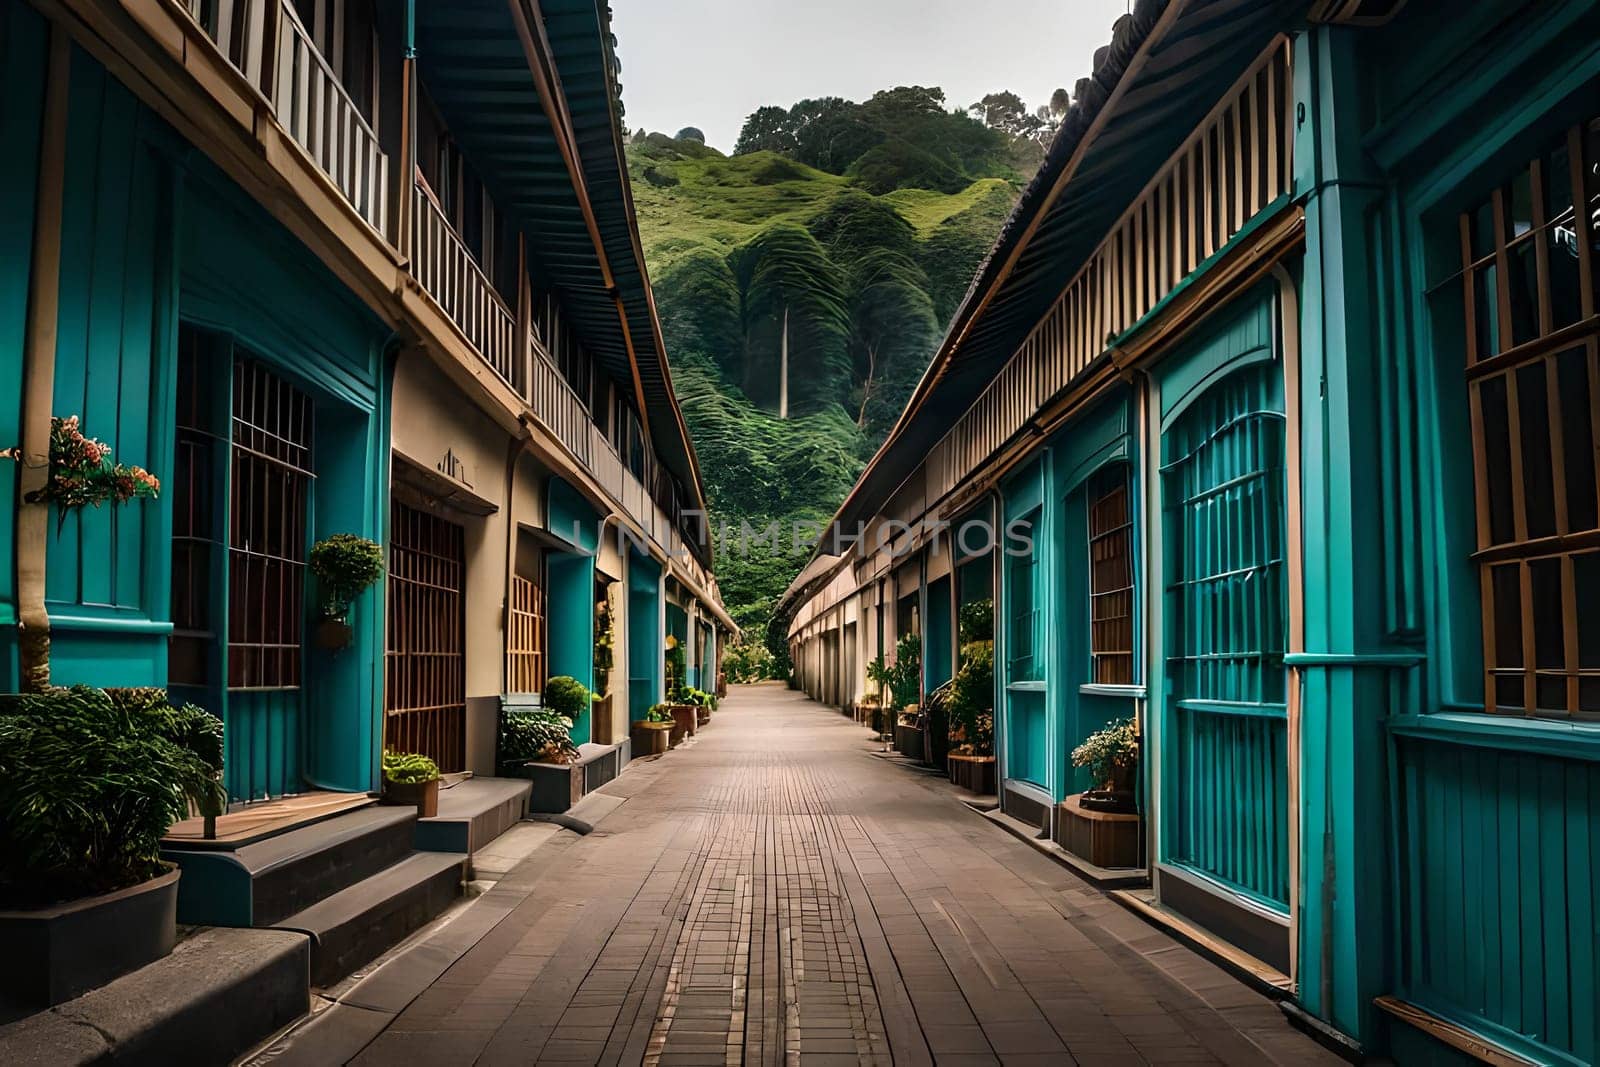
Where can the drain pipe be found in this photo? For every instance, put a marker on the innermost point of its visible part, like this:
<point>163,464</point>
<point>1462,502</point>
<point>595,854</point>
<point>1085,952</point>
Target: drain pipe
<point>38,376</point>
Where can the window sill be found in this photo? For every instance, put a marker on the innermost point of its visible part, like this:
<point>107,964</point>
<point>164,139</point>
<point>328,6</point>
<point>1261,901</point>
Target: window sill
<point>1571,740</point>
<point>113,620</point>
<point>1097,689</point>
<point>1025,687</point>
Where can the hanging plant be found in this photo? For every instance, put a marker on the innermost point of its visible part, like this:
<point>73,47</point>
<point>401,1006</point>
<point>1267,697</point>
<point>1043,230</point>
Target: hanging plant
<point>344,565</point>
<point>82,473</point>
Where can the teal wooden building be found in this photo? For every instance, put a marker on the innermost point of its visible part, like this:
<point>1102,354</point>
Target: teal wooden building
<point>1286,363</point>
<point>339,267</point>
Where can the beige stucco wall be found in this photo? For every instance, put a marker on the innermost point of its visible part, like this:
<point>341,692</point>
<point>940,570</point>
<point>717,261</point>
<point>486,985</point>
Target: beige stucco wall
<point>439,430</point>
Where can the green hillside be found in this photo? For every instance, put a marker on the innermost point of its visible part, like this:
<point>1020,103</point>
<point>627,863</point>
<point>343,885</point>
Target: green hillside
<point>834,245</point>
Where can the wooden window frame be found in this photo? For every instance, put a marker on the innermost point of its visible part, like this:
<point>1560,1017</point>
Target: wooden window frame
<point>1028,666</point>
<point>1110,516</point>
<point>1503,561</point>
<point>425,691</point>
<point>527,635</point>
<point>269,521</point>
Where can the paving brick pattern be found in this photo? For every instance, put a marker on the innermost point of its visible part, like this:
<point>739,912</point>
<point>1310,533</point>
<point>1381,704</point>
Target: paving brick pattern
<point>773,894</point>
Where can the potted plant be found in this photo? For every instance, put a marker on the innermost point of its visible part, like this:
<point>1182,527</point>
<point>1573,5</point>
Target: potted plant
<point>535,735</point>
<point>410,778</point>
<point>536,744</point>
<point>90,780</point>
<point>1111,756</point>
<point>345,565</point>
<point>970,759</point>
<point>702,702</point>
<point>652,735</point>
<point>878,674</point>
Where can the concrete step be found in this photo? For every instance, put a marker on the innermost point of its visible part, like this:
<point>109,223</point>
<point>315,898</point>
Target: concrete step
<point>356,924</point>
<point>473,813</point>
<point>217,995</point>
<point>260,883</point>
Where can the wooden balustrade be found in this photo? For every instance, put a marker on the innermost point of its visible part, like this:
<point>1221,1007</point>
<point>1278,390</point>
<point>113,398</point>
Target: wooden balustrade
<point>311,103</point>
<point>239,30</point>
<point>267,43</point>
<point>558,407</point>
<point>449,274</point>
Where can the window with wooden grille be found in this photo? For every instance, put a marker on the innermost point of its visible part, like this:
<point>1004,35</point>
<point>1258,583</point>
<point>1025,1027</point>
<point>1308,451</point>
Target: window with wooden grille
<point>1528,284</point>
<point>425,688</point>
<point>526,669</point>
<point>268,506</point>
<point>196,527</point>
<point>1110,578</point>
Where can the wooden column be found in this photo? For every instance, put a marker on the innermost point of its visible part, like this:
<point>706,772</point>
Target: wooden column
<point>39,360</point>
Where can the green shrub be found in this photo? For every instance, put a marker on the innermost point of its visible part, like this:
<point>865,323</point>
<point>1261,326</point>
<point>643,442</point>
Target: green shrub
<point>408,768</point>
<point>90,780</point>
<point>567,697</point>
<point>659,713</point>
<point>676,662</point>
<point>345,565</point>
<point>972,700</point>
<point>604,643</point>
<point>977,621</point>
<point>905,676</point>
<point>537,734</point>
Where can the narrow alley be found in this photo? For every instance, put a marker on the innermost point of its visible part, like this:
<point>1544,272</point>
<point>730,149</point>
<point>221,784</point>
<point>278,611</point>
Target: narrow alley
<point>774,892</point>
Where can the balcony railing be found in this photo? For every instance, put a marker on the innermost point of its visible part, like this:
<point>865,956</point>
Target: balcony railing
<point>313,106</point>
<point>444,267</point>
<point>239,29</point>
<point>307,97</point>
<point>558,407</point>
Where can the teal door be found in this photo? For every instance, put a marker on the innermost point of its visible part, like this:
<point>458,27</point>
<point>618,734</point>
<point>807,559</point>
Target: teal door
<point>644,634</point>
<point>1026,727</point>
<point>1224,802</point>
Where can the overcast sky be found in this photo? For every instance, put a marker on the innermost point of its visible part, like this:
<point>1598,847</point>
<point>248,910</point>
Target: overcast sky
<point>709,63</point>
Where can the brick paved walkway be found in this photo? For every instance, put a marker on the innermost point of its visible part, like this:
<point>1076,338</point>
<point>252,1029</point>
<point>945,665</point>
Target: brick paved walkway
<point>772,893</point>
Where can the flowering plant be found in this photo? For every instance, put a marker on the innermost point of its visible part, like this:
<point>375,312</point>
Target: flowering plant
<point>1108,750</point>
<point>82,473</point>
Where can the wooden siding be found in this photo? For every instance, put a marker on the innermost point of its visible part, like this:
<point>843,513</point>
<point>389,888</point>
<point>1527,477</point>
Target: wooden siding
<point>1500,899</point>
<point>1235,164</point>
<point>113,312</point>
<point>1223,485</point>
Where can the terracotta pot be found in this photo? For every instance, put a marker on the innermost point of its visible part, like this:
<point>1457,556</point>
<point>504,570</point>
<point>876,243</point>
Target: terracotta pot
<point>56,953</point>
<point>333,634</point>
<point>424,796</point>
<point>651,738</point>
<point>684,721</point>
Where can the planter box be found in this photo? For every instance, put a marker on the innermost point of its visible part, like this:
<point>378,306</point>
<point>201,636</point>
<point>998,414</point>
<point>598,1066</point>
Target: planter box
<point>601,726</point>
<point>54,954</point>
<point>424,796</point>
<point>702,716</point>
<point>1105,839</point>
<point>651,738</point>
<point>684,721</point>
<point>556,786</point>
<point>972,773</point>
<point>908,742</point>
